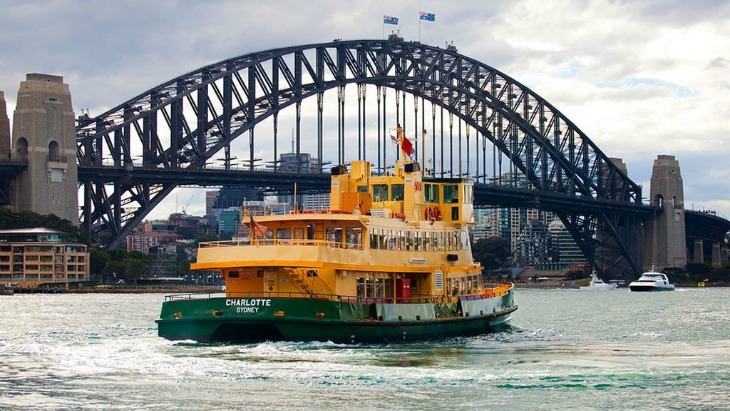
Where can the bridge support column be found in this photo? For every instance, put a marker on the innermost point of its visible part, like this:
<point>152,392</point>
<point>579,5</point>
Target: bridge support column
<point>699,254</point>
<point>664,239</point>
<point>716,255</point>
<point>44,134</point>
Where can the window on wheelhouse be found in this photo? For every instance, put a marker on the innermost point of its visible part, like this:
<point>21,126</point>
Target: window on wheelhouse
<point>396,190</point>
<point>380,192</point>
<point>431,193</point>
<point>451,193</point>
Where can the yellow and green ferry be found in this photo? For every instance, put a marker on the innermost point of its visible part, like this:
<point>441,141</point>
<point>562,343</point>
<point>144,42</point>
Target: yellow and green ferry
<point>389,261</point>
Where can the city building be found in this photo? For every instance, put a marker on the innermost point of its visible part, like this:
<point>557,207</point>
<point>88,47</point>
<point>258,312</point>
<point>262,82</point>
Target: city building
<point>41,257</point>
<point>564,249</point>
<point>229,221</point>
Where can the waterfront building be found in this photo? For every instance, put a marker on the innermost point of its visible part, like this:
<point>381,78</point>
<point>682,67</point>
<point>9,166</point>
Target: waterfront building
<point>564,249</point>
<point>41,257</point>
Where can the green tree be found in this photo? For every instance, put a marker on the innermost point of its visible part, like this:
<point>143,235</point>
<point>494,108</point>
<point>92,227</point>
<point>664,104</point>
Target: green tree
<point>98,260</point>
<point>113,270</point>
<point>135,269</point>
<point>491,252</point>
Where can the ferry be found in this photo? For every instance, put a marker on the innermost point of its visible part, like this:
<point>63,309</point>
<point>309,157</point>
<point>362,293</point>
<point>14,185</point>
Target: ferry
<point>389,261</point>
<point>652,281</point>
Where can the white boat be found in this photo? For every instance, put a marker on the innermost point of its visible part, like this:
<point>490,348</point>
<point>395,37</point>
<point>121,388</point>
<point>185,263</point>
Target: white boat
<point>598,284</point>
<point>652,281</point>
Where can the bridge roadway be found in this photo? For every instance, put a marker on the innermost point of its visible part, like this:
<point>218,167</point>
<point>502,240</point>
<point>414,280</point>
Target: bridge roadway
<point>279,182</point>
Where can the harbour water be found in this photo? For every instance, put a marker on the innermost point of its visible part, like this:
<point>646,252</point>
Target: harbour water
<point>568,349</point>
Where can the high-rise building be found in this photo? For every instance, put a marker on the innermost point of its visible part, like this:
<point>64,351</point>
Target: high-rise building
<point>564,249</point>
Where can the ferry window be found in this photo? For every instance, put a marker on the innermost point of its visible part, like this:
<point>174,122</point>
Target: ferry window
<point>380,288</point>
<point>369,287</point>
<point>362,189</point>
<point>417,241</point>
<point>426,241</point>
<point>380,192</point>
<point>431,193</point>
<point>298,233</point>
<point>391,240</point>
<point>409,241</point>
<point>383,240</point>
<point>451,193</point>
<point>373,239</point>
<point>464,240</point>
<point>283,234</point>
<point>401,244</point>
<point>360,286</point>
<point>233,274</point>
<point>397,192</point>
<point>354,237</point>
<point>334,236</point>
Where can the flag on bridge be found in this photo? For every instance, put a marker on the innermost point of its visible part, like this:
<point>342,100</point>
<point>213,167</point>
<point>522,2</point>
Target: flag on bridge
<point>390,20</point>
<point>426,16</point>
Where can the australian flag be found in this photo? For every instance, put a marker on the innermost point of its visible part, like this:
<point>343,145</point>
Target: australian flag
<point>390,20</point>
<point>428,16</point>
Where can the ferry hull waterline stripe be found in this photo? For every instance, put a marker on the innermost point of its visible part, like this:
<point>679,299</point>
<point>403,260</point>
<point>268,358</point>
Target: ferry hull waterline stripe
<point>389,260</point>
<point>317,320</point>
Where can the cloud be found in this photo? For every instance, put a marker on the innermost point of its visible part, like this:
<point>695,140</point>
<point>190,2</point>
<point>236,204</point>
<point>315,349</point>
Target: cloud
<point>639,78</point>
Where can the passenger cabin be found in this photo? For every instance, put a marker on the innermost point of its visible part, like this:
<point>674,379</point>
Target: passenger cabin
<point>398,237</point>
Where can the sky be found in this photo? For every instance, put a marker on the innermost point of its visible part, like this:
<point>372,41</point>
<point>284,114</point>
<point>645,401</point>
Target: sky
<point>639,77</point>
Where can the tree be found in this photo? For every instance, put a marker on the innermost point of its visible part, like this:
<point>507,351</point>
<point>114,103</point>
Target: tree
<point>113,270</point>
<point>135,269</point>
<point>98,260</point>
<point>491,252</point>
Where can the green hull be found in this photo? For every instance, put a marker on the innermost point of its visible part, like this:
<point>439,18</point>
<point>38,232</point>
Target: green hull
<point>240,320</point>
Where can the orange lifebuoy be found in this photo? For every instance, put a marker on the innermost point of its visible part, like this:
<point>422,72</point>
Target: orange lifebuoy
<point>437,213</point>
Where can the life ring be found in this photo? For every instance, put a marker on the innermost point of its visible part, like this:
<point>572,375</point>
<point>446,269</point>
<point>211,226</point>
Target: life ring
<point>437,213</point>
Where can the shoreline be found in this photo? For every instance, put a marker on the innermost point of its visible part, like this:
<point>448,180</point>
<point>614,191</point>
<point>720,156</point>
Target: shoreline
<point>125,290</point>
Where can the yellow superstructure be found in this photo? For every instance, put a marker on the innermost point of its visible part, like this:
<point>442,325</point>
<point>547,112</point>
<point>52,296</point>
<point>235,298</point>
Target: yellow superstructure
<point>397,237</point>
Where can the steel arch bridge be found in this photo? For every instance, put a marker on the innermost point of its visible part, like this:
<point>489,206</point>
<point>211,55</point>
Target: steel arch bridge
<point>178,127</point>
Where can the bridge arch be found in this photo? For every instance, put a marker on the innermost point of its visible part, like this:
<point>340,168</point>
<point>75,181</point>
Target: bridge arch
<point>180,125</point>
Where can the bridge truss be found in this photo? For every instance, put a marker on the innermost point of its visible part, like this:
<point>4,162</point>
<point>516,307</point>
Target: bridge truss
<point>135,154</point>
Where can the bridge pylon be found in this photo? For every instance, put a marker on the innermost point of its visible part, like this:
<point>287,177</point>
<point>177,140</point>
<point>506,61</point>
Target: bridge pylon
<point>44,135</point>
<point>665,235</point>
<point>4,129</point>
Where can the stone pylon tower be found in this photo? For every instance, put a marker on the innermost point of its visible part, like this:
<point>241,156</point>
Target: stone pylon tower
<point>665,238</point>
<point>4,128</point>
<point>44,134</point>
